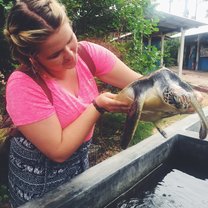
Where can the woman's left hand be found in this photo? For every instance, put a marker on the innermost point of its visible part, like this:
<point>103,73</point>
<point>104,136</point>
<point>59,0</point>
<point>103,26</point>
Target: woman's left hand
<point>107,101</point>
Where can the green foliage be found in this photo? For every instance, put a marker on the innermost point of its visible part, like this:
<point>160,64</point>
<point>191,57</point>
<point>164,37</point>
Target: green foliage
<point>113,124</point>
<point>92,18</point>
<point>2,93</point>
<point>137,17</point>
<point>144,58</point>
<point>101,18</point>
<point>143,62</point>
<point>5,58</point>
<point>4,197</point>
<point>109,124</point>
<point>143,131</point>
<point>171,52</point>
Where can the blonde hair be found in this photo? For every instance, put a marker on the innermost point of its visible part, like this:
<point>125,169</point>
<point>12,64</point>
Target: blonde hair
<point>30,23</point>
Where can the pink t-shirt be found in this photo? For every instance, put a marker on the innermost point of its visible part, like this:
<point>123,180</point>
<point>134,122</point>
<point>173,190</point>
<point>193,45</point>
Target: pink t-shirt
<point>27,102</point>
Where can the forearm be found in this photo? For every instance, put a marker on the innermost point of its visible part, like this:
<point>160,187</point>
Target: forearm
<point>74,135</point>
<point>56,142</point>
<point>120,76</point>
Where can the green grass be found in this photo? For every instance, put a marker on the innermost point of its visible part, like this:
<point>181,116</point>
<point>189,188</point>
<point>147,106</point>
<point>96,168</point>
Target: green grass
<point>113,124</point>
<point>144,130</point>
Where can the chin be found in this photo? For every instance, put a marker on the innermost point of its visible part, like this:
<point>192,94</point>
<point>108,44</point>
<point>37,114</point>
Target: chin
<point>69,66</point>
<point>70,63</point>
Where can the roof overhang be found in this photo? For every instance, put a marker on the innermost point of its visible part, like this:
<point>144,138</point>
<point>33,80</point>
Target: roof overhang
<point>203,30</point>
<point>169,23</point>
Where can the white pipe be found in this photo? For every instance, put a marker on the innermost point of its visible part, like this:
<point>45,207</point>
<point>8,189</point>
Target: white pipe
<point>162,50</point>
<point>197,53</point>
<point>181,52</point>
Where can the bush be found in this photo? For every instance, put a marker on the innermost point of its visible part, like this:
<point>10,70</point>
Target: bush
<point>2,93</point>
<point>4,197</point>
<point>171,52</point>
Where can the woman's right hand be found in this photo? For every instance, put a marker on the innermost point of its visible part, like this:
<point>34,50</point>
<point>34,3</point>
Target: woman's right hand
<point>107,100</point>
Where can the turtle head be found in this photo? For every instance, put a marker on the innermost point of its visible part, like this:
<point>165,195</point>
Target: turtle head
<point>177,98</point>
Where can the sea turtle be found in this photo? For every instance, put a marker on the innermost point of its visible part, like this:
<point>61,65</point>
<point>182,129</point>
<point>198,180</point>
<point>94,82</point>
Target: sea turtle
<point>159,95</point>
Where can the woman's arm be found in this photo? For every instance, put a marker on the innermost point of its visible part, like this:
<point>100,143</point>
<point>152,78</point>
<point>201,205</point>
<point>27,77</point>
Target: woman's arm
<point>56,143</point>
<point>120,76</point>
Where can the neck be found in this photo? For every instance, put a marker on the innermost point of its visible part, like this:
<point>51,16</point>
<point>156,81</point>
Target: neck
<point>62,75</point>
<point>59,75</point>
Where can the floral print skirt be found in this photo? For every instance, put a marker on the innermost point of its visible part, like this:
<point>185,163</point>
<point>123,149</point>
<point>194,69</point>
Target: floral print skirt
<point>32,174</point>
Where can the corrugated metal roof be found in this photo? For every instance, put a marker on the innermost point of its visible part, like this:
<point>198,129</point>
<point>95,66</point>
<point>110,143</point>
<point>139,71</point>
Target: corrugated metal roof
<point>171,23</point>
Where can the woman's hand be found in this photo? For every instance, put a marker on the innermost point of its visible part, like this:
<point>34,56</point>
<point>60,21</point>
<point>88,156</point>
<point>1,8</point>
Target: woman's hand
<point>107,101</point>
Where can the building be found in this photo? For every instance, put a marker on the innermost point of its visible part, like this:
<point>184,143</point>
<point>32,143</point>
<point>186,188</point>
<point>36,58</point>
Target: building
<point>195,48</point>
<point>169,24</point>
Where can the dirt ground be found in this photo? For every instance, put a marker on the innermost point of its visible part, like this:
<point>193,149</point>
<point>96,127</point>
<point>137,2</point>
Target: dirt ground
<point>205,99</point>
<point>198,80</point>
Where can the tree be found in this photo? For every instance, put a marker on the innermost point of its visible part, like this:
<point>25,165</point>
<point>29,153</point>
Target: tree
<point>137,16</point>
<point>101,18</point>
<point>92,17</point>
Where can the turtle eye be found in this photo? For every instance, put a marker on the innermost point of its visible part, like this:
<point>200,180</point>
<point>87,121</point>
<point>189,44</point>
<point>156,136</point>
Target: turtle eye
<point>176,101</point>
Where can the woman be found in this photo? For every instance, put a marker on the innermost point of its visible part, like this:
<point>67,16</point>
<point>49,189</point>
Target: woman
<point>56,135</point>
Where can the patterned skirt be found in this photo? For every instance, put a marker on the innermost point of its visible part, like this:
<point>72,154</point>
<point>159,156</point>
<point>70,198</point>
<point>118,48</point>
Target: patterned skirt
<point>32,174</point>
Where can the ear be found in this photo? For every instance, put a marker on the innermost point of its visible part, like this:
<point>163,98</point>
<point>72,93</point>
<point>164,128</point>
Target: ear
<point>35,65</point>
<point>32,61</point>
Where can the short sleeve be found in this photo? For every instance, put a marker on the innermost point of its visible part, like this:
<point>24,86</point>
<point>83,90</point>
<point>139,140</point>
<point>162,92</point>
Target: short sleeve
<point>103,59</point>
<point>26,102</point>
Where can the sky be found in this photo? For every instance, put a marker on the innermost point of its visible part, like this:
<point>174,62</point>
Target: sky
<point>196,8</point>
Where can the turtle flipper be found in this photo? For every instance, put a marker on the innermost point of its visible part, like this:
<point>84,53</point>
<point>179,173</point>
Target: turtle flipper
<point>202,131</point>
<point>131,124</point>
<point>162,132</point>
<point>204,123</point>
